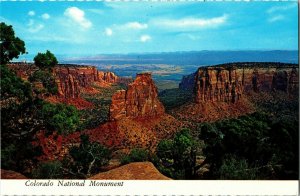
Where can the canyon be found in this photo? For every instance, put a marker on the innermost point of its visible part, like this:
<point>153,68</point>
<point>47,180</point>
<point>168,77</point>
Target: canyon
<point>136,118</point>
<point>71,81</point>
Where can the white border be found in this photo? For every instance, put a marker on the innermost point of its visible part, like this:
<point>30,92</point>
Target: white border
<point>156,187</point>
<point>149,1</point>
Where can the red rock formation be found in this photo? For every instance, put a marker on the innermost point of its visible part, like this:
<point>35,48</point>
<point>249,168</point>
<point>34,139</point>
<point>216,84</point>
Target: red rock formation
<point>23,70</point>
<point>52,145</point>
<point>230,83</point>
<point>9,174</point>
<point>218,84</point>
<point>71,80</point>
<point>132,171</point>
<point>139,100</point>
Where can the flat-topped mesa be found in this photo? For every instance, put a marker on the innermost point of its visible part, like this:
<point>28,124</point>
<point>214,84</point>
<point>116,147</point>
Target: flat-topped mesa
<point>140,100</point>
<point>229,83</point>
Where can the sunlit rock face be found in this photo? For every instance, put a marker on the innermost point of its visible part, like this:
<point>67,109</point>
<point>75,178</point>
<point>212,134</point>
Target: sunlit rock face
<point>71,79</point>
<point>139,100</point>
<point>228,84</point>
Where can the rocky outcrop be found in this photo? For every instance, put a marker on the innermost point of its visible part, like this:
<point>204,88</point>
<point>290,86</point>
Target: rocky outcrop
<point>139,100</point>
<point>228,83</point>
<point>217,84</point>
<point>132,171</point>
<point>9,174</point>
<point>71,79</point>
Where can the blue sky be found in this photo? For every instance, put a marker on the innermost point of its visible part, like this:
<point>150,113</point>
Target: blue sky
<point>90,28</point>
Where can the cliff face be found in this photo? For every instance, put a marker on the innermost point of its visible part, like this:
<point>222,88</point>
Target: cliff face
<point>71,79</point>
<point>219,84</point>
<point>139,100</point>
<point>228,84</point>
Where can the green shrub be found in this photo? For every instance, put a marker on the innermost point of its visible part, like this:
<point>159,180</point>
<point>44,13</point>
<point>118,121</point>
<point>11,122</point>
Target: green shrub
<point>236,168</point>
<point>60,117</point>
<point>89,157</point>
<point>177,156</point>
<point>8,156</point>
<point>13,86</point>
<point>135,155</point>
<point>47,79</point>
<point>48,170</point>
<point>252,141</point>
<point>45,60</point>
<point>173,98</point>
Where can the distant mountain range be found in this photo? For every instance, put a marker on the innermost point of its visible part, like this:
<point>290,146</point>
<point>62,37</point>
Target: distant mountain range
<point>204,57</point>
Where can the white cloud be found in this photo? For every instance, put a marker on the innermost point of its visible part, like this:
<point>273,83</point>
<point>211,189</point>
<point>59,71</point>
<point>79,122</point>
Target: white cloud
<point>108,32</point>
<point>192,22</point>
<point>276,18</point>
<point>281,8</point>
<point>45,16</point>
<point>136,25</point>
<point>31,13</point>
<point>35,28</point>
<point>145,38</point>
<point>77,15</point>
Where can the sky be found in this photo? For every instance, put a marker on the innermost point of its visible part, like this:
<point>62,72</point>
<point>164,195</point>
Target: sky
<point>91,28</point>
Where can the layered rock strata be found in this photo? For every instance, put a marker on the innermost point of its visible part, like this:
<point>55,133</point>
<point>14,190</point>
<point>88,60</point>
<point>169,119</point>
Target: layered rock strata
<point>229,83</point>
<point>139,100</point>
<point>71,79</point>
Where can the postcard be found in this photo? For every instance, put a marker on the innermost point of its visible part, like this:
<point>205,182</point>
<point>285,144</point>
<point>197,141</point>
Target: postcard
<point>149,97</point>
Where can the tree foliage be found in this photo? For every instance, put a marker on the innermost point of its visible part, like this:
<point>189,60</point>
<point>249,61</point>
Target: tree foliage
<point>47,79</point>
<point>45,60</point>
<point>173,98</point>
<point>13,86</point>
<point>258,146</point>
<point>10,46</point>
<point>177,156</point>
<point>88,157</point>
<point>135,155</point>
<point>60,117</point>
<point>48,170</point>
